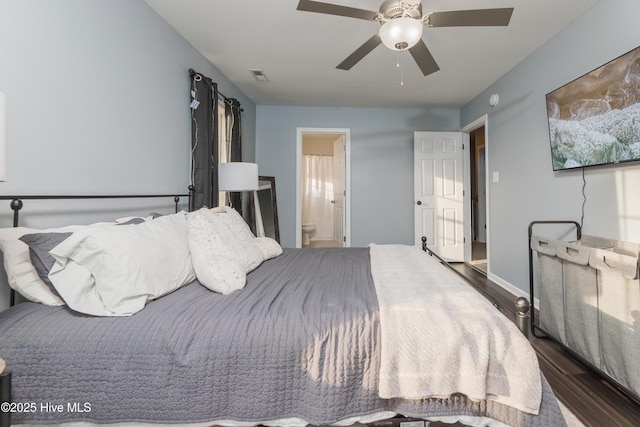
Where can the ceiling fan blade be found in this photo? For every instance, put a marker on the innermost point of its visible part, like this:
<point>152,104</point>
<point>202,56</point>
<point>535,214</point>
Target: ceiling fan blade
<point>360,53</point>
<point>423,58</point>
<point>471,18</point>
<point>334,9</point>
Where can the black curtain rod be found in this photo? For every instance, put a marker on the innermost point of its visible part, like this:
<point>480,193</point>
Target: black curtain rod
<point>225,99</point>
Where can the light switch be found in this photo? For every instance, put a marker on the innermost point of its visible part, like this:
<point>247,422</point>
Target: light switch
<point>496,176</point>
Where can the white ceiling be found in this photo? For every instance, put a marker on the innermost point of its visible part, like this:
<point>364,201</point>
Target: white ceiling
<point>299,51</point>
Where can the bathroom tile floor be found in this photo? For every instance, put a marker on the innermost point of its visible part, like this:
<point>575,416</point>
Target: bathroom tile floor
<point>323,244</point>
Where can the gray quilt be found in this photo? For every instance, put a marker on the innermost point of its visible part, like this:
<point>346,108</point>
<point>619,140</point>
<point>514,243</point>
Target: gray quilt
<point>300,340</point>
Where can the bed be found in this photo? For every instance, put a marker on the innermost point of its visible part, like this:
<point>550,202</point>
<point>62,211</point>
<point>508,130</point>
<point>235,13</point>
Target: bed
<point>313,336</point>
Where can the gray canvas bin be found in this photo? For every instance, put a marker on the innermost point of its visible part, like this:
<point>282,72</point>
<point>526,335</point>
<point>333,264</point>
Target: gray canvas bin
<point>580,300</point>
<point>551,294</point>
<point>619,313</point>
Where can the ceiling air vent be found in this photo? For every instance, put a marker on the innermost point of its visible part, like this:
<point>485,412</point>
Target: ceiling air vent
<point>259,75</point>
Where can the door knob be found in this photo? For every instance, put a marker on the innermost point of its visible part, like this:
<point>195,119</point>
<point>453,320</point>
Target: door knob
<point>419,202</point>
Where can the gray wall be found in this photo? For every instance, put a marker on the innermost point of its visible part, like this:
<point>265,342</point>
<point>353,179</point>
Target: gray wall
<point>381,163</point>
<point>98,98</point>
<point>519,145</point>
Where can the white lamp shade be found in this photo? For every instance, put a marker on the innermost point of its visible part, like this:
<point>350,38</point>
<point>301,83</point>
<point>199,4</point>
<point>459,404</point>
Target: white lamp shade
<point>3,137</point>
<point>401,33</point>
<point>237,176</point>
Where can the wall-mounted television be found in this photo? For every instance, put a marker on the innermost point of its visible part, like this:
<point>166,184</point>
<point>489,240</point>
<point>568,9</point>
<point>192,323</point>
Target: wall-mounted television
<point>595,119</point>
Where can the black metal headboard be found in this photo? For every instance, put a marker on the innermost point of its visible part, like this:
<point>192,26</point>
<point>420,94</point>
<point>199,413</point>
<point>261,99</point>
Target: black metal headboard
<point>16,206</point>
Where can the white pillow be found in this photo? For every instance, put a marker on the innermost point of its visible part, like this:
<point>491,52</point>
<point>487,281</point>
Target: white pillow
<point>237,236</point>
<point>234,221</point>
<point>223,248</point>
<point>21,274</point>
<point>213,262</point>
<point>17,264</point>
<point>269,247</point>
<point>114,271</point>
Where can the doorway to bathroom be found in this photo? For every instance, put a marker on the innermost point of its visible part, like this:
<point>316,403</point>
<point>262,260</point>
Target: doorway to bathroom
<point>322,187</point>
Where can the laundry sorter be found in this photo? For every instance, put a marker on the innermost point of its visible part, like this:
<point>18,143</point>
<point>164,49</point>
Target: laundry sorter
<point>588,298</point>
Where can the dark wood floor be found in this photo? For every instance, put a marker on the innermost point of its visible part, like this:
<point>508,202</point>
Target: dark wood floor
<point>586,394</point>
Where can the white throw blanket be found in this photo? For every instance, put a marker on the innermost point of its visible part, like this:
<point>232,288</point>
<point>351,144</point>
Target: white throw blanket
<point>440,336</point>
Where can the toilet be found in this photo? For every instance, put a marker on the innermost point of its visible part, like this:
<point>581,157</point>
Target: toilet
<point>307,231</point>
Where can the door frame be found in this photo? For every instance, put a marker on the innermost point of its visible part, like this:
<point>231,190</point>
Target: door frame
<point>466,130</point>
<point>482,208</point>
<point>347,179</point>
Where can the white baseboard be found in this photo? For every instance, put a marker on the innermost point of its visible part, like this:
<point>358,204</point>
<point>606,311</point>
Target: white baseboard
<point>511,288</point>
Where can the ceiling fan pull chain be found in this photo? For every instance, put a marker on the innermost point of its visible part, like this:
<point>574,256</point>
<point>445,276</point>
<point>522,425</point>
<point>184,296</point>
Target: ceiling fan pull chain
<point>400,65</point>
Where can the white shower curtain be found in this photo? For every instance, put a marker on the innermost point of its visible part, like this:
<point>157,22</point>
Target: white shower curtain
<point>317,194</point>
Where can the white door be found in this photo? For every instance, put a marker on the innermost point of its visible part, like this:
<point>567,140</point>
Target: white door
<point>438,190</point>
<point>339,189</point>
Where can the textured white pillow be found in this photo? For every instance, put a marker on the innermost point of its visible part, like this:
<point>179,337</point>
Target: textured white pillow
<point>238,237</point>
<point>214,264</point>
<point>114,271</point>
<point>269,247</point>
<point>234,221</point>
<point>223,248</point>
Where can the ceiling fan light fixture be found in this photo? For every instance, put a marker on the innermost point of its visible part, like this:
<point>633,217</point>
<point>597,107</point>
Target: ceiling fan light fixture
<point>401,33</point>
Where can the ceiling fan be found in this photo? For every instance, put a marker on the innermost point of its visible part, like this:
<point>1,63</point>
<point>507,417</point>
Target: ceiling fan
<point>402,22</point>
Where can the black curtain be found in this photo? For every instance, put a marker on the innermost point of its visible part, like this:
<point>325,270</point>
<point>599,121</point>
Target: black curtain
<point>204,141</point>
